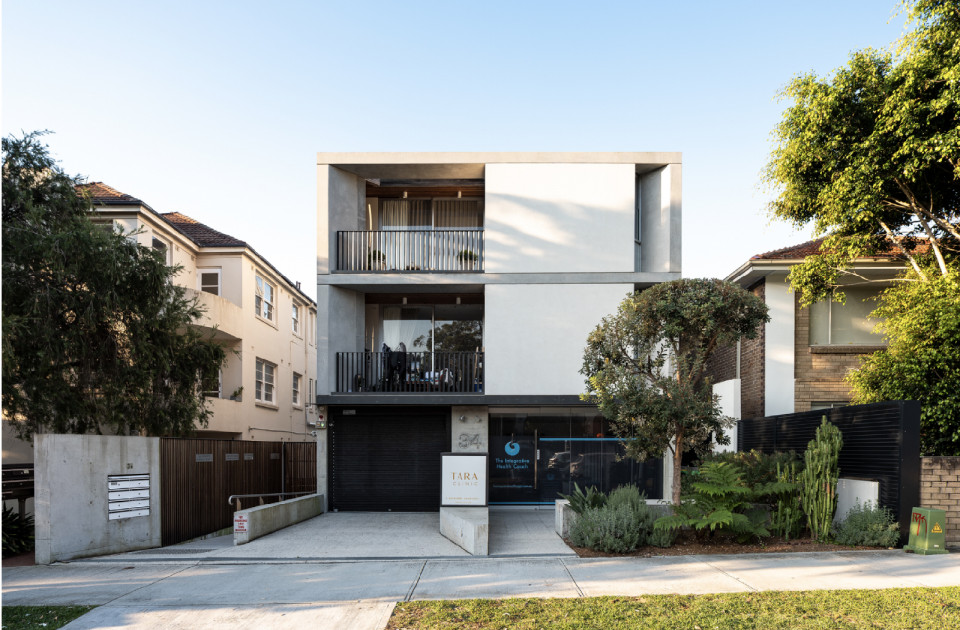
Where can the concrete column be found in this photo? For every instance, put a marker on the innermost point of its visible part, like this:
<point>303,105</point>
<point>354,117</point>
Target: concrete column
<point>779,347</point>
<point>729,394</point>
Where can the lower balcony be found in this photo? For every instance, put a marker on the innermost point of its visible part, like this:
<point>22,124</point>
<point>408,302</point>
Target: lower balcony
<point>410,372</point>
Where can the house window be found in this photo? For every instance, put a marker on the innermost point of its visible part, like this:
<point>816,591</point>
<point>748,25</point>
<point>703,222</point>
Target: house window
<point>311,392</point>
<point>832,323</point>
<point>213,386</point>
<point>296,319</point>
<point>818,405</point>
<point>266,378</point>
<point>263,302</point>
<point>161,247</point>
<point>209,280</point>
<point>296,388</point>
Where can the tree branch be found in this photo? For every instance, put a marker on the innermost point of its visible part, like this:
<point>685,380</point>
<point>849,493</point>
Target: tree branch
<point>898,241</point>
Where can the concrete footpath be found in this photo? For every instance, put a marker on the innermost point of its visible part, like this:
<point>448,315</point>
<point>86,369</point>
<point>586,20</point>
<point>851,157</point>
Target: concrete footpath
<point>212,584</point>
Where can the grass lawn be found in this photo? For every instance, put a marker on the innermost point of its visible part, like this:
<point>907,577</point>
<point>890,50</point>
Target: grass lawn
<point>892,608</point>
<point>40,617</point>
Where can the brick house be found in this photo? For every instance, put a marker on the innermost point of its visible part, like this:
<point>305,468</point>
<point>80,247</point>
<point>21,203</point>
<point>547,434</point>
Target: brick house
<point>800,358</point>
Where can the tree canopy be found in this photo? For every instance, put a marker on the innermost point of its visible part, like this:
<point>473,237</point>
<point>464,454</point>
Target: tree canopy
<point>646,365</point>
<point>922,360</point>
<point>871,155</point>
<point>96,336</point>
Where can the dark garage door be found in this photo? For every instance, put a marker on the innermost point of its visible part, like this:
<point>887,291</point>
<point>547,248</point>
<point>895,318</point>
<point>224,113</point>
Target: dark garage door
<point>387,459</point>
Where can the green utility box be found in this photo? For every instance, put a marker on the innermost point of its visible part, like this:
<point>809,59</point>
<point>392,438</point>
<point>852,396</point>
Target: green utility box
<point>927,531</point>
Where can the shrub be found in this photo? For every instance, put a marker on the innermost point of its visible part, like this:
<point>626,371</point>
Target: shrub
<point>622,524</point>
<point>608,529</point>
<point>17,533</point>
<point>627,495</point>
<point>580,501</point>
<point>867,526</point>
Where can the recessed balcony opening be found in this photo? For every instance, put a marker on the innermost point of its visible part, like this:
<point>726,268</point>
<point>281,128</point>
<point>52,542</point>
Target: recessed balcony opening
<point>417,344</point>
<point>417,226</point>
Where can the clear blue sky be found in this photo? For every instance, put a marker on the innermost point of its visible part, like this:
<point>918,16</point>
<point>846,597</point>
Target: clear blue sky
<point>217,109</point>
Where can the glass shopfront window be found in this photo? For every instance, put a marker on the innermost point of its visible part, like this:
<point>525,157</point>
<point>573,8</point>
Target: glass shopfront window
<point>536,454</point>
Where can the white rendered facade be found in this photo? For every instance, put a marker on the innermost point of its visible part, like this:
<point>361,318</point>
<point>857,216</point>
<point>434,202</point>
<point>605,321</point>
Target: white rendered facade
<point>561,239</point>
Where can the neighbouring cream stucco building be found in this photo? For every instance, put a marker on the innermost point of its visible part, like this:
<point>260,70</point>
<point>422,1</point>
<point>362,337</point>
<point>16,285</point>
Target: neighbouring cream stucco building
<point>266,323</point>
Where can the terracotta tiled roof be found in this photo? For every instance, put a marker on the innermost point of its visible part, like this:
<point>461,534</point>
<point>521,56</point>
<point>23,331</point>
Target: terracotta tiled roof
<point>810,248</point>
<point>101,194</point>
<point>201,234</point>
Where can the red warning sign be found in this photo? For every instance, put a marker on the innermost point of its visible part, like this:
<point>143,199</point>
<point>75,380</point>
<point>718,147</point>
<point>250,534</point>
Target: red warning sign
<point>240,524</point>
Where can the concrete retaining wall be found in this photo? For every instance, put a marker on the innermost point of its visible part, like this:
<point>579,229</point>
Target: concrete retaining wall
<point>265,519</point>
<point>853,491</point>
<point>564,518</point>
<point>72,499</point>
<point>468,527</point>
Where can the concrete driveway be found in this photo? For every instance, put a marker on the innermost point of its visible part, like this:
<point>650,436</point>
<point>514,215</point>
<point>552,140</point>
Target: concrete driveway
<point>351,536</point>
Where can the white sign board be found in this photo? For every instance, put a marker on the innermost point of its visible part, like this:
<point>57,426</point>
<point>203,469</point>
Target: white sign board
<point>464,479</point>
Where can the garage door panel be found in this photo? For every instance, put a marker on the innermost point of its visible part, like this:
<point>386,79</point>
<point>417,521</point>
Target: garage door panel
<point>387,460</point>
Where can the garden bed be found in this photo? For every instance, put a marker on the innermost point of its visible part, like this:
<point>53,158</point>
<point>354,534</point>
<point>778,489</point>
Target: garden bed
<point>688,544</point>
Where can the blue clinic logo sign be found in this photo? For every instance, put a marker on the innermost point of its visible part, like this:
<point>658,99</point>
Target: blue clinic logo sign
<point>512,448</point>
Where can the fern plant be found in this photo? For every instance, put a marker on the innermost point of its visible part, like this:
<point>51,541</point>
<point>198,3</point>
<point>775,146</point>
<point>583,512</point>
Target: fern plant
<point>719,501</point>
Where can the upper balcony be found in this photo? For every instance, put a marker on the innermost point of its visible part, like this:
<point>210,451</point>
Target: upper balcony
<point>406,251</point>
<point>221,318</point>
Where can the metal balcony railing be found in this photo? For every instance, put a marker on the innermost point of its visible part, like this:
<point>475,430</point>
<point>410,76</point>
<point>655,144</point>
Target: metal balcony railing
<point>410,372</point>
<point>395,251</point>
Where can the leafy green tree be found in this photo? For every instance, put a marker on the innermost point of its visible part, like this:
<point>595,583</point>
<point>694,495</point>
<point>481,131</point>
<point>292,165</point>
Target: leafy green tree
<point>871,155</point>
<point>96,337</point>
<point>646,364</point>
<point>922,360</point>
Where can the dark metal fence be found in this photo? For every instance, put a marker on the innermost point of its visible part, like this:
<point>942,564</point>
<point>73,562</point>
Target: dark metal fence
<point>18,484</point>
<point>420,372</point>
<point>410,250</point>
<point>198,475</point>
<point>881,442</point>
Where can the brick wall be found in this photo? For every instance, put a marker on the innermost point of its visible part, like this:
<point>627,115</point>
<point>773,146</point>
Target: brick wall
<point>722,366</point>
<point>819,370</point>
<point>940,489</point>
<point>752,368</point>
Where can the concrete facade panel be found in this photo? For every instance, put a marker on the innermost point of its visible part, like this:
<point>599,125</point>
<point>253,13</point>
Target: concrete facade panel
<point>535,334</point>
<point>559,217</point>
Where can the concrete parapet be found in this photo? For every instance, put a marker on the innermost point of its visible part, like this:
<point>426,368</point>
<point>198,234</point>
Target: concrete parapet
<point>467,527</point>
<point>265,519</point>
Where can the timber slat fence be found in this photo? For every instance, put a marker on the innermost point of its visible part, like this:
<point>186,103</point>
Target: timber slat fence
<point>198,475</point>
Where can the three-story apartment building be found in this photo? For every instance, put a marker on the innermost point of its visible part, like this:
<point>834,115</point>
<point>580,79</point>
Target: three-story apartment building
<point>265,322</point>
<point>455,294</point>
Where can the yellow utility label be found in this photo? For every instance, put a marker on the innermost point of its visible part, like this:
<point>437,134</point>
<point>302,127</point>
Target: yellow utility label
<point>937,529</point>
